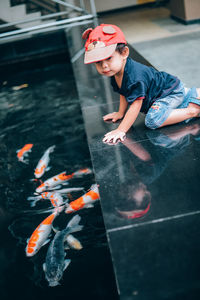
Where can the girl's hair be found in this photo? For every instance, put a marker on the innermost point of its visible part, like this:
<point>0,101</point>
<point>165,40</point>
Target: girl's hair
<point>120,47</point>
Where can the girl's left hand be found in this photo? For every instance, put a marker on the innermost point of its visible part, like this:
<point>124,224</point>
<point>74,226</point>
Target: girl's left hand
<point>114,136</point>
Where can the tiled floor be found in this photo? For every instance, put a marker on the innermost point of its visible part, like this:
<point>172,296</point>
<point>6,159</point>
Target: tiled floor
<point>152,178</point>
<point>149,198</point>
<point>149,194</point>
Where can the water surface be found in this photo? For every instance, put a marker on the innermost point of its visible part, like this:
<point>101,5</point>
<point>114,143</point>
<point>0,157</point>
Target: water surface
<point>46,112</point>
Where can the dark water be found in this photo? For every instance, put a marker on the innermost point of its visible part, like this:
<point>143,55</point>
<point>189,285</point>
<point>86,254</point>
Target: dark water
<point>46,113</point>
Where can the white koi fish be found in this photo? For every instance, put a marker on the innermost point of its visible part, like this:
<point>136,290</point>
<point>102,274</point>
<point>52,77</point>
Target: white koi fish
<point>84,201</point>
<point>73,242</point>
<point>43,163</point>
<point>55,262</point>
<point>61,178</point>
<point>23,153</point>
<point>40,235</point>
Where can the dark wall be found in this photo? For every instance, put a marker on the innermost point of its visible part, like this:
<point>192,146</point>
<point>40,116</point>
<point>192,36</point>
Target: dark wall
<point>43,49</point>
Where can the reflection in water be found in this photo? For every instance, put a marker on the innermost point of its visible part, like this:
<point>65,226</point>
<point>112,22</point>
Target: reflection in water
<point>43,113</point>
<point>148,156</point>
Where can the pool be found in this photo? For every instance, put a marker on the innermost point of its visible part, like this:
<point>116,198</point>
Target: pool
<point>40,105</point>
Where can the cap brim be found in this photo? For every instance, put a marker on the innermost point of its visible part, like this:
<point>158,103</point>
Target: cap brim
<point>133,214</point>
<point>99,54</point>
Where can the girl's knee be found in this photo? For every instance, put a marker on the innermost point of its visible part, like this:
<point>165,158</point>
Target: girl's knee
<point>151,122</point>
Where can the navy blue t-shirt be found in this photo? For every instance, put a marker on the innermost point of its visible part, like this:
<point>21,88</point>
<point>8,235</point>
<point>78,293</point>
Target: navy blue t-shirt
<point>140,81</point>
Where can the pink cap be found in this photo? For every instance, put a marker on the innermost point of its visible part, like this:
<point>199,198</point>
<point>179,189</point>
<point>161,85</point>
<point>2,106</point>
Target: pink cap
<point>101,42</point>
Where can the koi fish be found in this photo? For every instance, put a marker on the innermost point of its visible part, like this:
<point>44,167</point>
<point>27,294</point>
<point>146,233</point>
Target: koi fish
<point>40,235</point>
<point>19,87</point>
<point>55,262</point>
<point>84,201</point>
<point>55,198</point>
<point>73,242</point>
<point>61,178</point>
<point>43,163</point>
<point>23,153</point>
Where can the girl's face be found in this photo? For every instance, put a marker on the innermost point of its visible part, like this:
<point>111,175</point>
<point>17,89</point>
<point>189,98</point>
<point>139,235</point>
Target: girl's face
<point>114,65</point>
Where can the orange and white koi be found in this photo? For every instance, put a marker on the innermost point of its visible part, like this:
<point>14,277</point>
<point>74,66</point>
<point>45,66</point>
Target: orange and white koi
<point>61,178</point>
<point>43,163</point>
<point>73,242</point>
<point>23,153</point>
<point>84,201</point>
<point>55,198</point>
<point>40,235</point>
<point>19,87</point>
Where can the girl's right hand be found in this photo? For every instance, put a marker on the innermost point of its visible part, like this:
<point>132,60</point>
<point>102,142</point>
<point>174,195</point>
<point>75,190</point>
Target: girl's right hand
<point>113,116</point>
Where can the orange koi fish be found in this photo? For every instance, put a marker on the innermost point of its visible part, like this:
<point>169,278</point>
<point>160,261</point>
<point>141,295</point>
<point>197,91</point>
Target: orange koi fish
<point>61,178</point>
<point>84,201</point>
<point>43,163</point>
<point>40,235</point>
<point>23,153</point>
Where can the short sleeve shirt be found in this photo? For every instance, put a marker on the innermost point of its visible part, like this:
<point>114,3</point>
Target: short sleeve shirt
<point>140,81</point>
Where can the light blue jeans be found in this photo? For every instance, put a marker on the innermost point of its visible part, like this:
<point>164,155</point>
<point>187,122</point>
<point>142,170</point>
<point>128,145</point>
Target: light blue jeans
<point>162,107</point>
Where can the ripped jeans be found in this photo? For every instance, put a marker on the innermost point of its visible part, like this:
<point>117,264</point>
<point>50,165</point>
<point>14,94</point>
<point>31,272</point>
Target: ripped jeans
<point>162,107</point>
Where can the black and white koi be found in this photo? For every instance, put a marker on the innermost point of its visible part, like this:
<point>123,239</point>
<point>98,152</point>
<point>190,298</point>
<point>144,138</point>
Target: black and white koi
<point>55,262</point>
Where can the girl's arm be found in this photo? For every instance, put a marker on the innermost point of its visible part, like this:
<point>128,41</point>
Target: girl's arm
<point>130,116</point>
<point>120,113</point>
<point>127,122</point>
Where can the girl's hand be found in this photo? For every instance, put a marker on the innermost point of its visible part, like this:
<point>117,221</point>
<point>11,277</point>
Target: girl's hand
<point>114,136</point>
<point>113,116</point>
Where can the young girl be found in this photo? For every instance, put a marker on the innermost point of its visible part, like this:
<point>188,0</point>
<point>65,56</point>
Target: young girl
<point>161,96</point>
